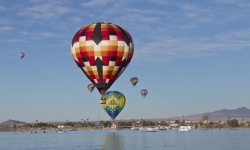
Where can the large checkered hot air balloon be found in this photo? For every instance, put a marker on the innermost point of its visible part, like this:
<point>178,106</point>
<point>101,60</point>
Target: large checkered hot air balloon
<point>102,51</point>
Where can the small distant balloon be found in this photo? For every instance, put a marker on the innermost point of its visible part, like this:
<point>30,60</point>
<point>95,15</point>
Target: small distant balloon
<point>91,87</point>
<point>21,55</point>
<point>144,92</point>
<point>115,102</point>
<point>134,80</point>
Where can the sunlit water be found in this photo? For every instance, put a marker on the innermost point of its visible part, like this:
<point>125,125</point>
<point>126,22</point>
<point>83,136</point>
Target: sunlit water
<point>128,140</point>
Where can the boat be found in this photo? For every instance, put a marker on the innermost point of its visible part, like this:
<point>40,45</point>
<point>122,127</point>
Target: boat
<point>184,128</point>
<point>133,128</point>
<point>162,128</point>
<point>152,129</point>
<point>141,128</point>
<point>72,129</point>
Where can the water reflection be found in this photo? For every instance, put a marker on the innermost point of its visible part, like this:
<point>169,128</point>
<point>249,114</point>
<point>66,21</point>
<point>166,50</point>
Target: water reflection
<point>112,141</point>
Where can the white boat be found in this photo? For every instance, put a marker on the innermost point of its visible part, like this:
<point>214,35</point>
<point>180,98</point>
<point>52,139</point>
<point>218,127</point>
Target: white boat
<point>162,128</point>
<point>133,128</point>
<point>141,128</point>
<point>184,128</point>
<point>152,129</point>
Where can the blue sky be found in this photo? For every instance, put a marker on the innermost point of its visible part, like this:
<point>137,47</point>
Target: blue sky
<point>192,57</point>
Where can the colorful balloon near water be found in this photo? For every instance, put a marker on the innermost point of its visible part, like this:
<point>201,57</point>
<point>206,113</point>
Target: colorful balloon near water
<point>102,51</point>
<point>91,87</point>
<point>21,55</point>
<point>144,92</point>
<point>134,80</point>
<point>115,102</point>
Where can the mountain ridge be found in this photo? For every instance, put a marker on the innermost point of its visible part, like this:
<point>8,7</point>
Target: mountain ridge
<point>218,115</point>
<point>11,122</point>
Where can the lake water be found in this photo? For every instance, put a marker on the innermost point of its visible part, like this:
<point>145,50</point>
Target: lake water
<point>128,140</point>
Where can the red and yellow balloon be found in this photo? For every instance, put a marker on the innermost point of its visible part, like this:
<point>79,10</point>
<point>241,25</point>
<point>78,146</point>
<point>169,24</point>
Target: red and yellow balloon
<point>102,51</point>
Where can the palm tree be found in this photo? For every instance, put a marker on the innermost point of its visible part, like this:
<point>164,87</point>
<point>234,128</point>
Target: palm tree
<point>205,118</point>
<point>36,123</point>
<point>228,120</point>
<point>87,122</point>
<point>183,119</point>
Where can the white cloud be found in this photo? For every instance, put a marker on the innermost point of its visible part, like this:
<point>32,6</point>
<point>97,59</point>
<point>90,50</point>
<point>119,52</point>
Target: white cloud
<point>228,1</point>
<point>164,48</point>
<point>159,1</point>
<point>146,11</point>
<point>194,8</point>
<point>5,21</point>
<point>94,3</point>
<point>136,18</point>
<point>2,8</point>
<point>5,29</point>
<point>44,11</point>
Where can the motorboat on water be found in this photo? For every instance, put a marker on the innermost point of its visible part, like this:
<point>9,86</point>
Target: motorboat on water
<point>162,128</point>
<point>184,128</point>
<point>72,129</point>
<point>152,129</point>
<point>134,128</point>
<point>141,128</point>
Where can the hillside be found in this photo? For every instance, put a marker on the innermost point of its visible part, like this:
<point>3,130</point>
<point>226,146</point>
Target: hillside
<point>12,122</point>
<point>223,114</point>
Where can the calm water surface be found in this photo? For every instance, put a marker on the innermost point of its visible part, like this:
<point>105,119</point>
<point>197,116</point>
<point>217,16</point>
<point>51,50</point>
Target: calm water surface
<point>128,140</point>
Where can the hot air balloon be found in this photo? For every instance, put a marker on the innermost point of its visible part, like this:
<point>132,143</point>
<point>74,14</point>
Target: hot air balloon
<point>91,87</point>
<point>102,51</point>
<point>21,55</point>
<point>144,92</point>
<point>134,80</point>
<point>115,101</point>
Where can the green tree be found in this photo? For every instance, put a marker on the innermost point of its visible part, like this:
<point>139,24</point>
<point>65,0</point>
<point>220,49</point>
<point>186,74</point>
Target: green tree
<point>14,126</point>
<point>233,123</point>
<point>228,121</point>
<point>205,118</point>
<point>177,121</point>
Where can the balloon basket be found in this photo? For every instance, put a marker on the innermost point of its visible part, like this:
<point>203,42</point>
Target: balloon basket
<point>102,101</point>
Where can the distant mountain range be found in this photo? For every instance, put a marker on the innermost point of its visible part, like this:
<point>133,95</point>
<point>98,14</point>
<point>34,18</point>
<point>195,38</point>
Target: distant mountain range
<point>12,122</point>
<point>219,115</point>
<point>242,112</point>
<point>223,114</point>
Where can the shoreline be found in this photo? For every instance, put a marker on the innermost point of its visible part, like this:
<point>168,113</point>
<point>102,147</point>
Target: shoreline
<point>97,129</point>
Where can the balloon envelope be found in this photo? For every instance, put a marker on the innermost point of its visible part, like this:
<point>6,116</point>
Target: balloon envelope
<point>115,102</point>
<point>102,51</point>
<point>21,55</point>
<point>144,92</point>
<point>134,80</point>
<point>91,87</point>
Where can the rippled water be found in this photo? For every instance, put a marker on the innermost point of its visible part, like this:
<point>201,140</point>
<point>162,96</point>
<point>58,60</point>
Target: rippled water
<point>128,140</point>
